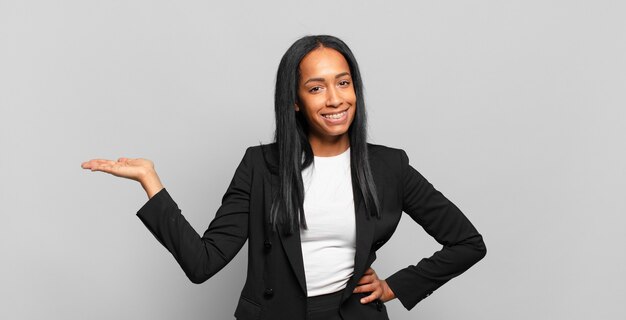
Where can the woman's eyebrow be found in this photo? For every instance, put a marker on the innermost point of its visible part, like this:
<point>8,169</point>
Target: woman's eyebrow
<point>322,79</point>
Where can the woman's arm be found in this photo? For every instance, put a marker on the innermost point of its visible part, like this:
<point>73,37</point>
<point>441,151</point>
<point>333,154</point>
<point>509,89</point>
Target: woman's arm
<point>463,246</point>
<point>199,257</point>
<point>202,257</point>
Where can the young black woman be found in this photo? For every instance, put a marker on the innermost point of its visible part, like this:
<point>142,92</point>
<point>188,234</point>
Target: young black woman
<point>314,205</point>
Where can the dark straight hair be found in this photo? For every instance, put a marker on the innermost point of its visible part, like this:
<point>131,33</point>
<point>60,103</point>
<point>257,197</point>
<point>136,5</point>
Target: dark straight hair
<point>291,136</point>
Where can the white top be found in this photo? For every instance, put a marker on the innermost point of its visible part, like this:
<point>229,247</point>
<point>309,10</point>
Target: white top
<point>329,243</point>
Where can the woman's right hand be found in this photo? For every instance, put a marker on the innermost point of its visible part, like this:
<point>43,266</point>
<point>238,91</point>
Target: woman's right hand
<point>141,170</point>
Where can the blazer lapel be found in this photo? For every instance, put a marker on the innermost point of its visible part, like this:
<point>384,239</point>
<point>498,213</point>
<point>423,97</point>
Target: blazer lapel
<point>293,249</point>
<point>292,246</point>
<point>364,234</point>
<point>290,242</point>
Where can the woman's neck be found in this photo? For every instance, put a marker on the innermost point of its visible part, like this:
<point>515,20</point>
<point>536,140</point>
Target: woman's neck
<point>329,146</point>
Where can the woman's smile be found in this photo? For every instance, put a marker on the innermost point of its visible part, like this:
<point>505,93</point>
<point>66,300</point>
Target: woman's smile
<point>336,118</point>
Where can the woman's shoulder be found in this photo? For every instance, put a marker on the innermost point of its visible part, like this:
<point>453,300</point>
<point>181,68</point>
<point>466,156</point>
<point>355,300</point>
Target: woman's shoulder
<point>383,150</point>
<point>261,150</point>
<point>386,158</point>
<point>263,153</point>
<point>381,147</point>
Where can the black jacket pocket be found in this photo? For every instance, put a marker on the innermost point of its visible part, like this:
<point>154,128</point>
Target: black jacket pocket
<point>247,309</point>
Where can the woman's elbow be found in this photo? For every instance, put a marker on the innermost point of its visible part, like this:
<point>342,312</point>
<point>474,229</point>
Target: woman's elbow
<point>474,249</point>
<point>197,280</point>
<point>480,249</point>
<point>197,277</point>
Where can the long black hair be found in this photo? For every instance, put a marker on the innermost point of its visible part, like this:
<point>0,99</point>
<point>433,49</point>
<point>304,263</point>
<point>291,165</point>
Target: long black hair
<point>291,136</point>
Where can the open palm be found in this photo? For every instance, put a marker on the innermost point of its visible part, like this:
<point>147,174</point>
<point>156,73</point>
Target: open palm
<point>134,169</point>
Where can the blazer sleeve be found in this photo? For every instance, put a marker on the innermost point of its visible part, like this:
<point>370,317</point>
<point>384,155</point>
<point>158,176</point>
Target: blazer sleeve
<point>463,246</point>
<point>202,257</point>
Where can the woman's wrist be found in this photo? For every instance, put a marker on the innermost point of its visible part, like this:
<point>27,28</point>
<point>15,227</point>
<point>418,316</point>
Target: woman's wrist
<point>151,183</point>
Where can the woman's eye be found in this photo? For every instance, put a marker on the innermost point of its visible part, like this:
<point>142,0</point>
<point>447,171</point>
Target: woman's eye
<point>314,89</point>
<point>344,82</point>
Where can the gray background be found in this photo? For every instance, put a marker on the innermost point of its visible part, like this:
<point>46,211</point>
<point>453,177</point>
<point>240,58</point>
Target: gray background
<point>513,109</point>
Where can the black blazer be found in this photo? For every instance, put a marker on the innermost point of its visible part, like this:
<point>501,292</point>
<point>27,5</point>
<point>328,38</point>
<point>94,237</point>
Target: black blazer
<point>275,287</point>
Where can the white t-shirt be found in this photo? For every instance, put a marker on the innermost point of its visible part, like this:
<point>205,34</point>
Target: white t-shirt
<point>329,243</point>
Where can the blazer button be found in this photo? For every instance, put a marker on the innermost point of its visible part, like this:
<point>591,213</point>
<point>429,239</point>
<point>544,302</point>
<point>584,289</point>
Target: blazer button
<point>269,292</point>
<point>268,244</point>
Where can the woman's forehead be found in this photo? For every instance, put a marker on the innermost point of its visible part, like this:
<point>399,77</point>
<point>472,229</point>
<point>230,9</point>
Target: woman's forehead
<point>323,62</point>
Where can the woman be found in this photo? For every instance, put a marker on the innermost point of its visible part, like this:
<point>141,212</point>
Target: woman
<point>315,205</point>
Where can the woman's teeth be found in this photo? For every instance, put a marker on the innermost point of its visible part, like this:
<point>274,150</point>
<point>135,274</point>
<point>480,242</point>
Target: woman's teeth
<point>335,115</point>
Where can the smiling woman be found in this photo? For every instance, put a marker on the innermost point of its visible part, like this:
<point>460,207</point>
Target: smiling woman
<point>327,98</point>
<point>314,206</point>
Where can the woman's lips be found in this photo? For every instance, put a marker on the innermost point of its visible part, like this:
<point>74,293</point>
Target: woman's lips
<point>336,118</point>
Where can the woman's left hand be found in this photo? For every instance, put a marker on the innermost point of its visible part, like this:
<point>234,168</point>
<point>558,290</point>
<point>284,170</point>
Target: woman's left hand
<point>378,288</point>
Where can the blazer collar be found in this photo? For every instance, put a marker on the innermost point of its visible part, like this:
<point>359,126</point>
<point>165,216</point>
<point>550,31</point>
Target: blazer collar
<point>365,225</point>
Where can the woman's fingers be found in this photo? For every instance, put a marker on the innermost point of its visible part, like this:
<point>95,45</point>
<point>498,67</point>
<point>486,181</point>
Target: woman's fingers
<point>366,279</point>
<point>375,292</point>
<point>370,282</point>
<point>379,290</point>
<point>98,164</point>
<point>372,297</point>
<point>92,163</point>
<point>105,167</point>
<point>367,288</point>
<point>133,169</point>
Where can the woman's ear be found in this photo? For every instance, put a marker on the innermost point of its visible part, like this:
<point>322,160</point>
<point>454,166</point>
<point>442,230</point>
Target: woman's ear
<point>297,107</point>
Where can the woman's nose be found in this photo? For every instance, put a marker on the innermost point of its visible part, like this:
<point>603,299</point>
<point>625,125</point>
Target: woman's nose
<point>333,98</point>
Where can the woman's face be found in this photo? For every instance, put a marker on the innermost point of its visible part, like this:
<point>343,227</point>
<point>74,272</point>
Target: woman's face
<point>327,97</point>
